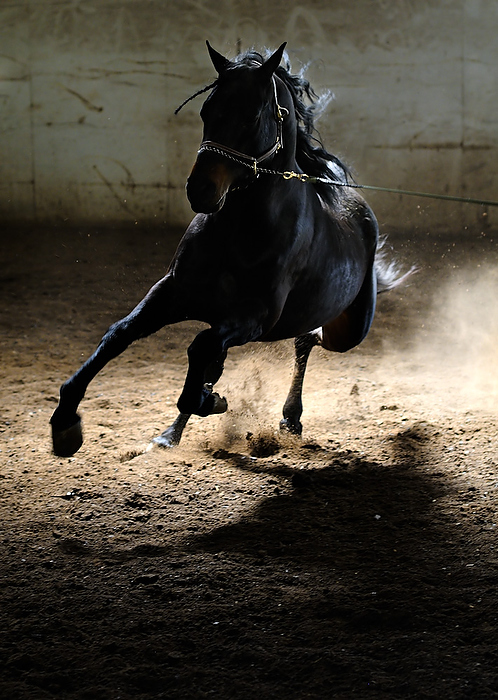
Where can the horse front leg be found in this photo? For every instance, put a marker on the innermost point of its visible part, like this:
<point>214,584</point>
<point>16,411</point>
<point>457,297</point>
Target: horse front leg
<point>171,436</point>
<point>293,407</point>
<point>152,313</point>
<point>206,356</point>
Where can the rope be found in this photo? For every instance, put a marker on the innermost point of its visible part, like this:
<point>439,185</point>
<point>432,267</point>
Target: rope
<point>290,174</point>
<point>410,193</point>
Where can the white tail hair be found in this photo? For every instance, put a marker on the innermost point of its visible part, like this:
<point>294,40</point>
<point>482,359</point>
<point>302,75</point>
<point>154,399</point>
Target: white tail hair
<point>388,271</point>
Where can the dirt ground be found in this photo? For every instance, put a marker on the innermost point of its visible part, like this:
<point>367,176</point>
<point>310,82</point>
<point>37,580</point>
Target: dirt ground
<point>360,561</point>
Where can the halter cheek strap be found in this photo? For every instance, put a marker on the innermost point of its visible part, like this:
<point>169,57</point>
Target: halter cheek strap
<point>252,161</point>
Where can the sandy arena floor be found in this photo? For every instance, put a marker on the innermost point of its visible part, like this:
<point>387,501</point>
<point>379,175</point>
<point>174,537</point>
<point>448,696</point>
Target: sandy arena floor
<point>360,561</point>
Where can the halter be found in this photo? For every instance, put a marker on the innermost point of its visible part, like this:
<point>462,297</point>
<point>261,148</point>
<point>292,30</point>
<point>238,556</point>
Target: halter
<point>247,160</point>
<point>252,162</point>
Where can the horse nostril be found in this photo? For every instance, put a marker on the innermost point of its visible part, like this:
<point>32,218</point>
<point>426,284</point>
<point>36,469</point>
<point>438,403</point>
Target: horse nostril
<point>204,195</point>
<point>207,187</point>
<point>198,189</point>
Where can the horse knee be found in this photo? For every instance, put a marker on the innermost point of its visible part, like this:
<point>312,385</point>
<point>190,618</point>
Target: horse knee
<point>206,357</point>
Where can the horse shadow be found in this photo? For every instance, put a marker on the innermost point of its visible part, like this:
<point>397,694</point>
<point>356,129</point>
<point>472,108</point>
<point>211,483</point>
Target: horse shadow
<point>348,498</point>
<point>368,533</point>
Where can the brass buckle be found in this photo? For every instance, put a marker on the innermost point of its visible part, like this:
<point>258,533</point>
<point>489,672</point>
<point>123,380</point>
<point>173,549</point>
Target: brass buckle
<point>289,174</point>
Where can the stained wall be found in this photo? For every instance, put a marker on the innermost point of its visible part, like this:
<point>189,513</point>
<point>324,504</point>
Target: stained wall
<point>88,89</point>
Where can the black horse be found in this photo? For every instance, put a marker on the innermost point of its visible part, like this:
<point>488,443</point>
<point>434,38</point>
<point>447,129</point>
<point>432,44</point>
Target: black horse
<point>275,251</point>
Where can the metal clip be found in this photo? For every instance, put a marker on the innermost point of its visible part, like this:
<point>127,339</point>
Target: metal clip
<point>289,174</point>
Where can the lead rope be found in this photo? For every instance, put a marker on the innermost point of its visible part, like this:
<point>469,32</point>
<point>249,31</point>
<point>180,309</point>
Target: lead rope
<point>290,174</point>
<point>303,177</point>
<point>411,193</point>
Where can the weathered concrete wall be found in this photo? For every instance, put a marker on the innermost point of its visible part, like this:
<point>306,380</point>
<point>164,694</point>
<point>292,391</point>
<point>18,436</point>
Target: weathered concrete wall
<point>88,89</point>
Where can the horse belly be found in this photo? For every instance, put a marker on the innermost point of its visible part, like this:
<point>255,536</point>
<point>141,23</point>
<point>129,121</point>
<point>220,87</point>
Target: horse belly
<point>316,303</point>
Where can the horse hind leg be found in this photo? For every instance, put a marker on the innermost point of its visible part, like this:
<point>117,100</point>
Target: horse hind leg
<point>171,436</point>
<point>339,335</point>
<point>351,327</point>
<point>293,406</point>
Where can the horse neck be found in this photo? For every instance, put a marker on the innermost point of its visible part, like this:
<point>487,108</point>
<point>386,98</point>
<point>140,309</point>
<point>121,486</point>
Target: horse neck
<point>259,209</point>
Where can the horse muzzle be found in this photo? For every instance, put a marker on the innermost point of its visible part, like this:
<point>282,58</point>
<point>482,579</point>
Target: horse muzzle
<point>207,188</point>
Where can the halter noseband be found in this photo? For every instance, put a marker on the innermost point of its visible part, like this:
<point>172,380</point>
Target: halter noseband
<point>252,161</point>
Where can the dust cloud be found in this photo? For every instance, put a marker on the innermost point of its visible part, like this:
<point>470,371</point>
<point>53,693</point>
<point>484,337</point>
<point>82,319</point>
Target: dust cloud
<point>455,344</point>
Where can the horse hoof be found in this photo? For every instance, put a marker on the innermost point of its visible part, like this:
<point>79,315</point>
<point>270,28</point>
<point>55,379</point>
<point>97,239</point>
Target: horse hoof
<point>220,404</point>
<point>212,403</point>
<point>292,428</point>
<point>165,441</point>
<point>67,442</point>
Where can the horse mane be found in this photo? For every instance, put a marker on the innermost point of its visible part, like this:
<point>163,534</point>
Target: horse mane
<point>311,155</point>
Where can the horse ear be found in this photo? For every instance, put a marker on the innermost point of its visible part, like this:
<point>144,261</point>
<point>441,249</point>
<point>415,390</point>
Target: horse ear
<point>220,63</point>
<point>270,65</point>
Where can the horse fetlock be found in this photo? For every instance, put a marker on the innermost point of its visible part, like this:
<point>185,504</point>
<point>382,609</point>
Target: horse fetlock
<point>171,436</point>
<point>70,395</point>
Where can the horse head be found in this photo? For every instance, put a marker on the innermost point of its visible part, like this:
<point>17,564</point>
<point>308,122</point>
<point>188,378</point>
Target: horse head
<point>242,121</point>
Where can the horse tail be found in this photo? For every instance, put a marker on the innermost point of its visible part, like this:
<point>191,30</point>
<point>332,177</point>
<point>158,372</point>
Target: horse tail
<point>388,271</point>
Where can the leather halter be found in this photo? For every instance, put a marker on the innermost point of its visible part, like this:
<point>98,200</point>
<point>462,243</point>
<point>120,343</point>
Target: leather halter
<point>247,160</point>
